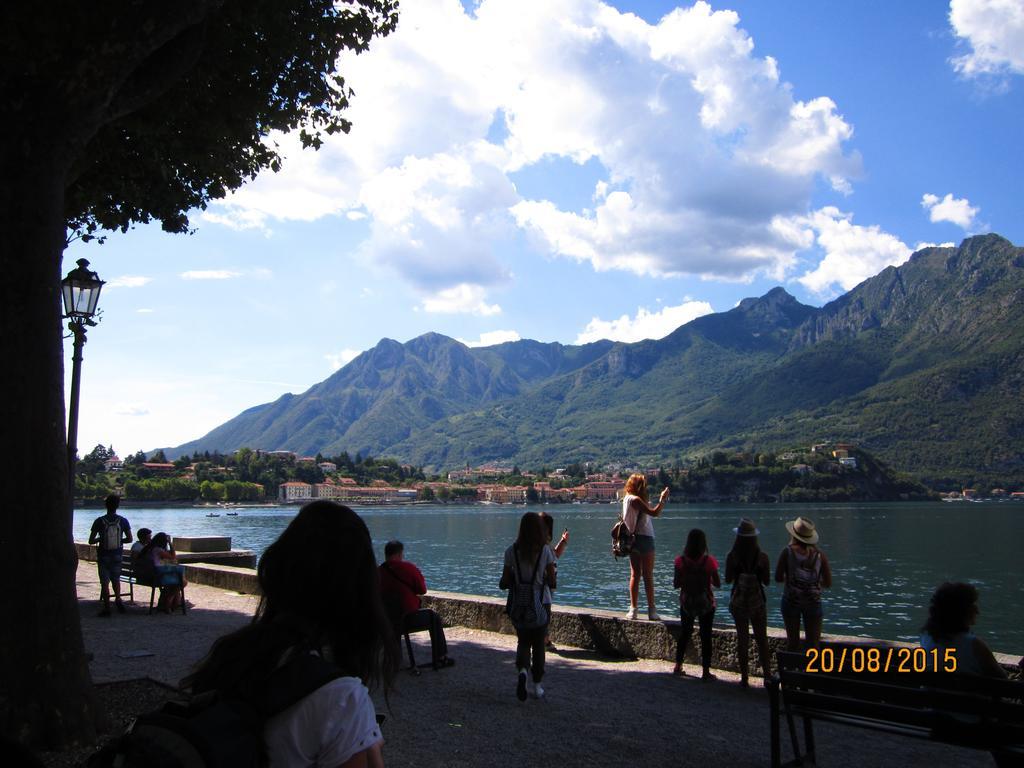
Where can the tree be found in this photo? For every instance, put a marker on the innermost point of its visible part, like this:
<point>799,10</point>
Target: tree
<point>115,114</point>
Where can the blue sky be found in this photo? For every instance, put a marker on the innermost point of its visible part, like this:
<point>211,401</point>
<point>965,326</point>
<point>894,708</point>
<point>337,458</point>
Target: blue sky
<point>567,170</point>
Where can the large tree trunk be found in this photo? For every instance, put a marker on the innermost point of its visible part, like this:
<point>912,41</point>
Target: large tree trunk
<point>46,696</point>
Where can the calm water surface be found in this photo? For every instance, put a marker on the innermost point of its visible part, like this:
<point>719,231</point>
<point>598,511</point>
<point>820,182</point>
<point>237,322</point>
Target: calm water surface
<point>886,558</point>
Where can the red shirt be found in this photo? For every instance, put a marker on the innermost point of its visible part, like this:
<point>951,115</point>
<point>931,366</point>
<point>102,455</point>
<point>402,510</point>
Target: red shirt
<point>403,579</point>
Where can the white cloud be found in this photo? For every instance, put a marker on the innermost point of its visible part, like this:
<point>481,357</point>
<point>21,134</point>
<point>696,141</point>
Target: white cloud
<point>128,281</point>
<point>144,311</point>
<point>921,246</point>
<point>646,324</point>
<point>949,208</point>
<point>131,409</point>
<point>701,144</point>
<point>491,338</point>
<point>342,358</point>
<point>209,274</point>
<point>994,31</point>
<point>853,253</point>
<point>460,299</point>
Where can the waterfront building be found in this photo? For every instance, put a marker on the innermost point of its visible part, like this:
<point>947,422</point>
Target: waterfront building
<point>295,491</point>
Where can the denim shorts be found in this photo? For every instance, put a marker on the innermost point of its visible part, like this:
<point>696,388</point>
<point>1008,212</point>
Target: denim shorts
<point>644,545</point>
<point>807,612</point>
<point>109,564</point>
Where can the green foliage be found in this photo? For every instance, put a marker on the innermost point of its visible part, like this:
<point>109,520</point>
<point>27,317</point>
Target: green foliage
<point>206,133</point>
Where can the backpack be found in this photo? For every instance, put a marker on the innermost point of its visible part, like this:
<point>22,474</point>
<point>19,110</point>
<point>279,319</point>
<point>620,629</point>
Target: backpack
<point>623,539</point>
<point>695,583</point>
<point>803,579</point>
<point>747,596</point>
<point>110,537</point>
<point>212,730</point>
<point>525,608</point>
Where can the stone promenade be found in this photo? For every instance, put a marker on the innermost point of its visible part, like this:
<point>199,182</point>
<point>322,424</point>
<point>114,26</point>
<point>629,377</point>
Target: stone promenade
<point>597,712</point>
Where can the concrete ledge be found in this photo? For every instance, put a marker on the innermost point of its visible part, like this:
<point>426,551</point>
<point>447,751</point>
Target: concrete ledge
<point>202,543</point>
<point>606,632</point>
<point>241,558</point>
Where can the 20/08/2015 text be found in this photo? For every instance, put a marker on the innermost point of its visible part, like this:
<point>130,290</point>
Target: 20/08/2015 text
<point>870,659</point>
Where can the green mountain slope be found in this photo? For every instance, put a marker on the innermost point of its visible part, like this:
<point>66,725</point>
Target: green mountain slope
<point>922,365</point>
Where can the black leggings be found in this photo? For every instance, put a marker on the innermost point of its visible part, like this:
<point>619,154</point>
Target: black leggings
<point>686,629</point>
<point>531,640</point>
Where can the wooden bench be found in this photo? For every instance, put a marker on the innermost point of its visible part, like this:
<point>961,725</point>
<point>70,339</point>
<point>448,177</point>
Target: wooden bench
<point>130,576</point>
<point>958,709</point>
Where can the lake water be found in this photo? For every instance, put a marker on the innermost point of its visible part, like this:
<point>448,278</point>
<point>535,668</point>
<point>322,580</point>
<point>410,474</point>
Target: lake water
<point>886,558</point>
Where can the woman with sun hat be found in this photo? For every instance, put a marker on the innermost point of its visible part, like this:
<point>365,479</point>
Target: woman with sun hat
<point>804,570</point>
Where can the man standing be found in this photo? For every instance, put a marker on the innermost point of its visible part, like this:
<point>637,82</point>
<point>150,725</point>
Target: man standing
<point>401,584</point>
<point>110,533</point>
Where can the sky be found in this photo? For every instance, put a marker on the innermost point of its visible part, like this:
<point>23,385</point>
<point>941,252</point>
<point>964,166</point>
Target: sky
<point>566,171</point>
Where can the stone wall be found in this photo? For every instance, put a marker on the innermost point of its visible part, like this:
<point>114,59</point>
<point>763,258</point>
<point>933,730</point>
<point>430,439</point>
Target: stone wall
<point>606,632</point>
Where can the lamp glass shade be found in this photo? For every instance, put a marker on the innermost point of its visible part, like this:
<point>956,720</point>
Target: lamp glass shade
<point>81,291</point>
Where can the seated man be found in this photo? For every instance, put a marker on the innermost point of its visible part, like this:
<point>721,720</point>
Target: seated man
<point>401,584</point>
<point>144,536</point>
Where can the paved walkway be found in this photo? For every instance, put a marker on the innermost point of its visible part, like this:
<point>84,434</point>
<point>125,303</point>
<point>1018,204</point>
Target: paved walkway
<point>597,712</point>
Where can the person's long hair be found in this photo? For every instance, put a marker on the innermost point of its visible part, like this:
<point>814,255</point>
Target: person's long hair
<point>637,485</point>
<point>532,537</point>
<point>951,610</point>
<point>549,525</point>
<point>696,544</point>
<point>745,552</point>
<point>319,590</point>
<point>160,541</point>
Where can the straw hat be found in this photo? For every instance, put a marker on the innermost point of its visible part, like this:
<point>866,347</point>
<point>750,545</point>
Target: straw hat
<point>803,530</point>
<point>746,527</point>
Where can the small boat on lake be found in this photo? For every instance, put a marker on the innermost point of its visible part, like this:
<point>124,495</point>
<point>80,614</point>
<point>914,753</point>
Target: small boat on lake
<point>231,514</point>
<point>213,514</point>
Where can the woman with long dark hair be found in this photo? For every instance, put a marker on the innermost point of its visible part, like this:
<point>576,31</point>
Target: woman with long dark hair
<point>637,514</point>
<point>529,569</point>
<point>320,597</point>
<point>696,572</point>
<point>748,570</point>
<point>951,614</point>
<point>159,566</point>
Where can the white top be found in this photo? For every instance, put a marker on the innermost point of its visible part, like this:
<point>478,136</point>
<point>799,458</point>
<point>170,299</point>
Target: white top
<point>629,514</point>
<point>325,729</point>
<point>547,556</point>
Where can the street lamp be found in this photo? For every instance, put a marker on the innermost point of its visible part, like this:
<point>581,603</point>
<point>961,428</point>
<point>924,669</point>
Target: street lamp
<point>81,290</point>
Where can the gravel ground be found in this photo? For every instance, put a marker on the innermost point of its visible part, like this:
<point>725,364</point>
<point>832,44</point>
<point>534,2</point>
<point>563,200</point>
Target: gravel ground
<point>597,712</point>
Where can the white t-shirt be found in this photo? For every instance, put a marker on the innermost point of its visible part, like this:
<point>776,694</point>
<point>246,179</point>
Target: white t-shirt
<point>630,511</point>
<point>325,729</point>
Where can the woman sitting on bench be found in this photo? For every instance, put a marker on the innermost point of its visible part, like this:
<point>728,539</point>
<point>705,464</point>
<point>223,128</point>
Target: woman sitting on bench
<point>159,567</point>
<point>952,613</point>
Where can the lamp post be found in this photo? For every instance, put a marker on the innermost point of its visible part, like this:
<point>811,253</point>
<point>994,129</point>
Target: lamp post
<point>81,291</point>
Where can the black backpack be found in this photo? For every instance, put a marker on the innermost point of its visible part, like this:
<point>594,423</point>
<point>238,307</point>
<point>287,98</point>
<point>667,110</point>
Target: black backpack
<point>213,730</point>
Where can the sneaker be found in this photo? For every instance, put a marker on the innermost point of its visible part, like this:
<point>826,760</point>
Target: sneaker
<point>653,616</point>
<point>538,691</point>
<point>631,613</point>
<point>707,677</point>
<point>521,686</point>
<point>120,605</point>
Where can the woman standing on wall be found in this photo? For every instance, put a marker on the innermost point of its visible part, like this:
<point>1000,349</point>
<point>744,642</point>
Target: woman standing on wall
<point>804,570</point>
<point>637,514</point>
<point>748,570</point>
<point>529,570</point>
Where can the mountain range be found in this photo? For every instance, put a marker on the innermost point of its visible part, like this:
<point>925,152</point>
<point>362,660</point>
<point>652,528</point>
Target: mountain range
<point>922,364</point>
